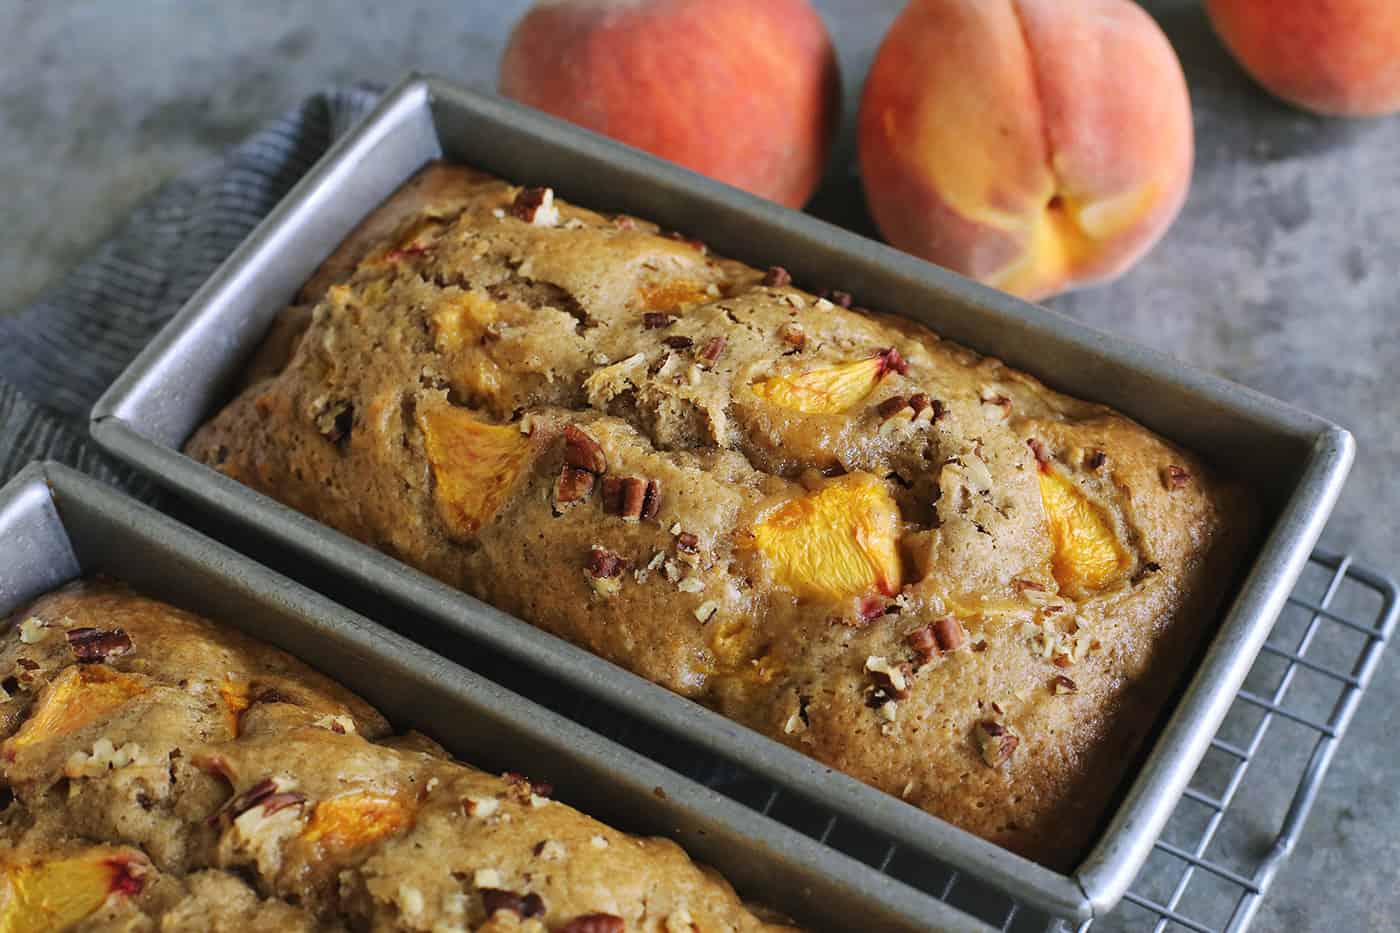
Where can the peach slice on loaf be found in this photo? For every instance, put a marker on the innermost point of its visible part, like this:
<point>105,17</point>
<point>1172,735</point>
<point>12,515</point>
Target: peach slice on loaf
<point>1088,555</point>
<point>79,696</point>
<point>44,894</point>
<point>830,390</point>
<point>475,465</point>
<point>837,543</point>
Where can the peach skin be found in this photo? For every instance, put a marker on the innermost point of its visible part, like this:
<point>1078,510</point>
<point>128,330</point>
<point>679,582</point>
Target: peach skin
<point>1034,145</point>
<point>747,93</point>
<point>1336,57</point>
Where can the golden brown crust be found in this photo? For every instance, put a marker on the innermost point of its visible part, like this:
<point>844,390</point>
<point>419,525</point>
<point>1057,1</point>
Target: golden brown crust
<point>767,502</point>
<point>167,769</point>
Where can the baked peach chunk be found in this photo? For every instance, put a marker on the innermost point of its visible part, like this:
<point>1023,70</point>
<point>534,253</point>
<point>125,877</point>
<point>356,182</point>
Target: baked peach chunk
<point>355,819</point>
<point>474,465</point>
<point>839,542</point>
<point>45,895</point>
<point>1088,555</point>
<point>676,294</point>
<point>829,390</point>
<point>460,320</point>
<point>234,693</point>
<point>80,695</point>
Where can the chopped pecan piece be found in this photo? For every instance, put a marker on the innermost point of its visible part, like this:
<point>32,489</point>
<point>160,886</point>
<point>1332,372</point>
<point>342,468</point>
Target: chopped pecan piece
<point>632,497</point>
<point>949,634</point>
<point>595,923</point>
<point>687,542</point>
<point>91,645</point>
<point>274,802</point>
<point>1175,477</point>
<point>1060,684</point>
<point>792,334</point>
<point>655,320</point>
<point>892,406</point>
<point>891,681</point>
<point>712,349</point>
<point>574,485</point>
<point>526,906</point>
<point>535,206</point>
<point>920,401</point>
<point>581,450</point>
<point>776,277</point>
<point>996,743</point>
<point>603,563</point>
<point>922,643</point>
<point>1094,459</point>
<point>940,637</point>
<point>335,420</point>
<point>836,297</point>
<point>893,360</point>
<point>678,342</point>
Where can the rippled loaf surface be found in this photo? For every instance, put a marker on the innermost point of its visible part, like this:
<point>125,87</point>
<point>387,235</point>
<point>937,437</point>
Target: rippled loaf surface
<point>167,773</point>
<point>902,558</point>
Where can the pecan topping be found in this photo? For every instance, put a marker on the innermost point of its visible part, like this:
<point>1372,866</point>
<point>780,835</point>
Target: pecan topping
<point>1060,684</point>
<point>891,682</point>
<point>574,485</point>
<point>792,334</point>
<point>893,360</point>
<point>949,634</point>
<point>940,637</point>
<point>335,421</point>
<point>96,644</point>
<point>996,743</point>
<point>1094,459</point>
<point>836,297</point>
<point>1037,448</point>
<point>527,906</point>
<point>678,342</point>
<point>654,320</point>
<point>687,542</point>
<point>274,802</point>
<point>776,277</point>
<point>583,452</point>
<point>920,401</point>
<point>603,563</point>
<point>1175,477</point>
<point>535,205</point>
<point>980,646</point>
<point>251,797</point>
<point>712,349</point>
<point>893,406</point>
<point>595,923</point>
<point>632,497</point>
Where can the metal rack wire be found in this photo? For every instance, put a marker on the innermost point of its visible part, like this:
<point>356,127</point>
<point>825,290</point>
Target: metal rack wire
<point>1230,834</point>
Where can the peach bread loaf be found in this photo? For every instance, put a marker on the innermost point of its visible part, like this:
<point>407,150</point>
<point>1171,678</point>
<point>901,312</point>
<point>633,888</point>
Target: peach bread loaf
<point>907,560</point>
<point>168,773</point>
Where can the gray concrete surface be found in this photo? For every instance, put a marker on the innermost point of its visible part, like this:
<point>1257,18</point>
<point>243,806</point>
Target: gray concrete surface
<point>1281,273</point>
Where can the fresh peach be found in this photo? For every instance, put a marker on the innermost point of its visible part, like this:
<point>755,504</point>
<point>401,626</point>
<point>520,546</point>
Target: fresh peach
<point>1338,57</point>
<point>1034,145</point>
<point>744,92</point>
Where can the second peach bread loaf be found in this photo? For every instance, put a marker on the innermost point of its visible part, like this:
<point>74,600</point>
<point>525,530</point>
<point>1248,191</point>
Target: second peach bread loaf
<point>902,558</point>
<point>164,772</point>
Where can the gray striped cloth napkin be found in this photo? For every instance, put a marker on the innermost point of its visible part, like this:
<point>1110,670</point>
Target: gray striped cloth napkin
<point>58,355</point>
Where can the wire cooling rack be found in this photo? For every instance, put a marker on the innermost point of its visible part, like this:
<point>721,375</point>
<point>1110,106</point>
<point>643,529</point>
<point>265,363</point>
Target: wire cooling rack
<point>1235,826</point>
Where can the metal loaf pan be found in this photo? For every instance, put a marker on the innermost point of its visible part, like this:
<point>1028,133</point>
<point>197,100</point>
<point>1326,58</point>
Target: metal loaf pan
<point>57,524</point>
<point>1295,461</point>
